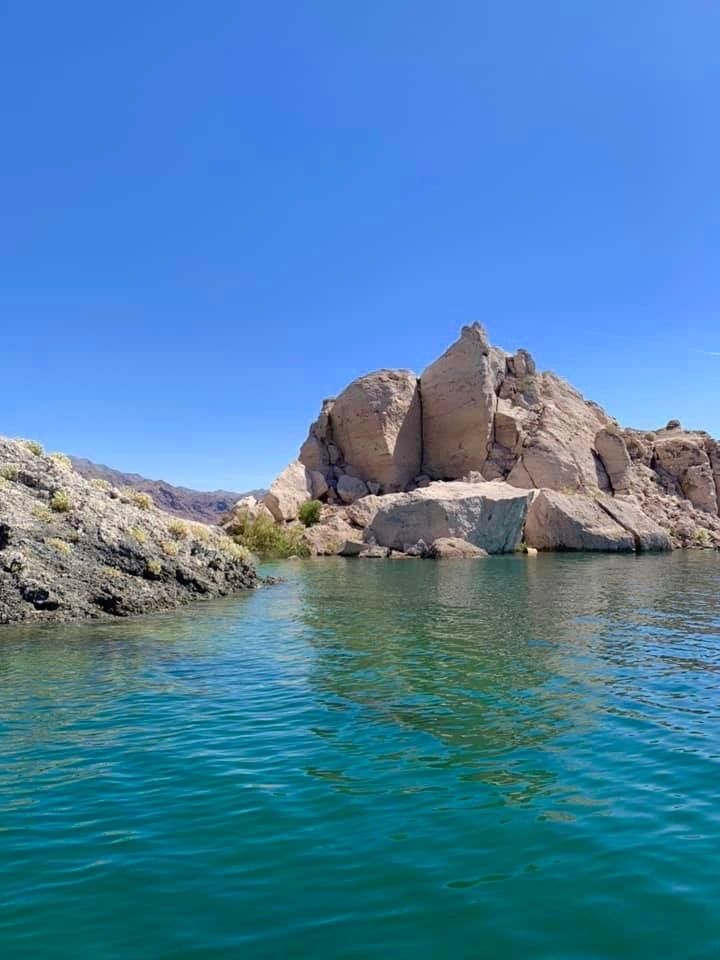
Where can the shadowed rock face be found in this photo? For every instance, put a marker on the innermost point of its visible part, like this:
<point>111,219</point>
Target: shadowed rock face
<point>72,548</point>
<point>480,414</point>
<point>376,423</point>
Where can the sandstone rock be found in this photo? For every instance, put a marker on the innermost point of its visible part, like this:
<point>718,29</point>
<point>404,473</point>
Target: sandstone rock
<point>558,521</point>
<point>453,548</point>
<point>351,489</point>
<point>316,452</point>
<point>246,509</point>
<point>648,535</point>
<point>352,548</point>
<point>318,485</point>
<point>613,452</point>
<point>361,512</point>
<point>458,405</point>
<point>377,427</point>
<point>329,536</point>
<point>488,515</point>
<point>375,553</point>
<point>684,459</point>
<point>289,491</point>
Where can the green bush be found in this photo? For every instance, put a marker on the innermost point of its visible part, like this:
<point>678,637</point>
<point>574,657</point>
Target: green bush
<point>142,500</point>
<point>9,471</point>
<point>269,540</point>
<point>309,513</point>
<point>101,484</point>
<point>60,502</point>
<point>62,460</point>
<point>153,569</point>
<point>34,447</point>
<point>235,551</point>
<point>60,545</point>
<point>138,534</point>
<point>178,530</point>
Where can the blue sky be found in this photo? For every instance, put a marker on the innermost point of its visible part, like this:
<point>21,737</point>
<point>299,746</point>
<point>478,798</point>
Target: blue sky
<point>214,215</point>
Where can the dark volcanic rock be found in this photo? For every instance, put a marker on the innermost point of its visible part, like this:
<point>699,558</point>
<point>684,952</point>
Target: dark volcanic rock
<point>72,548</point>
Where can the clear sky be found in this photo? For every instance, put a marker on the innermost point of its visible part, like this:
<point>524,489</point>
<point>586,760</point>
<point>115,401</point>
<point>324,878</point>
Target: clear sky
<point>215,214</point>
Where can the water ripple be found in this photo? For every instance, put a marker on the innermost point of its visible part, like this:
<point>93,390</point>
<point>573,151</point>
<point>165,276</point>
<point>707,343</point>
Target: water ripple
<point>505,759</point>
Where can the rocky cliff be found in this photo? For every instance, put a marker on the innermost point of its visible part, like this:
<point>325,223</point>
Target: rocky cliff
<point>73,548</point>
<point>480,415</point>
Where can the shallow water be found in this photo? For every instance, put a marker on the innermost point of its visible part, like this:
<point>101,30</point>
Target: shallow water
<point>503,758</point>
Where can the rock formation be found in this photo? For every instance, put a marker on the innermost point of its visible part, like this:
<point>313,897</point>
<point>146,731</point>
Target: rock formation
<point>478,415</point>
<point>72,548</point>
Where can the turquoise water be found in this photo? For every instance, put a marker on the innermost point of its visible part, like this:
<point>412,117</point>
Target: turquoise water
<point>507,758</point>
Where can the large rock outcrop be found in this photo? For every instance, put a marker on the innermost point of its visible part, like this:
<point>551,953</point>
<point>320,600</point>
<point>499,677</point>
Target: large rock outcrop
<point>377,427</point>
<point>482,414</point>
<point>558,521</point>
<point>459,398</point>
<point>72,548</point>
<point>488,515</point>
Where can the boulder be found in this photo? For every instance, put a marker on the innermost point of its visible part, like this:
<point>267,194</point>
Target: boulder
<point>289,490</point>
<point>613,451</point>
<point>489,515</point>
<point>453,548</point>
<point>351,489</point>
<point>683,457</point>
<point>458,405</point>
<point>318,485</point>
<point>558,521</point>
<point>330,535</point>
<point>376,425</point>
<point>361,512</point>
<point>245,509</point>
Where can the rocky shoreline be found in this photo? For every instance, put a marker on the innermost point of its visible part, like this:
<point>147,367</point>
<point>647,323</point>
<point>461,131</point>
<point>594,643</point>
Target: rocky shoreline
<point>72,548</point>
<point>485,449</point>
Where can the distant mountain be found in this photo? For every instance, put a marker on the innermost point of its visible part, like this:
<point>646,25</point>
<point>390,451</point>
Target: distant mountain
<point>204,506</point>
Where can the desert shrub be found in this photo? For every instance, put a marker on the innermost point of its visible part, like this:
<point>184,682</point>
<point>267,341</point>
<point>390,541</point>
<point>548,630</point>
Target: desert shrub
<point>42,513</point>
<point>153,568</point>
<point>269,540</point>
<point>101,484</point>
<point>9,471</point>
<point>60,545</point>
<point>112,571</point>
<point>62,460</point>
<point>702,537</point>
<point>178,530</point>
<point>60,502</point>
<point>236,551</point>
<point>169,548</point>
<point>34,447</point>
<point>309,513</point>
<point>141,499</point>
<point>138,534</point>
<point>200,532</point>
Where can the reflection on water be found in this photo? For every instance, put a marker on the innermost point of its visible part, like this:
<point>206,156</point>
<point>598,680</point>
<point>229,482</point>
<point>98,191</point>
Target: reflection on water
<point>510,757</point>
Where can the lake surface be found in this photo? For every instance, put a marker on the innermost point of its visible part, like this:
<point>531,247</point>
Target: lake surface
<point>508,758</point>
